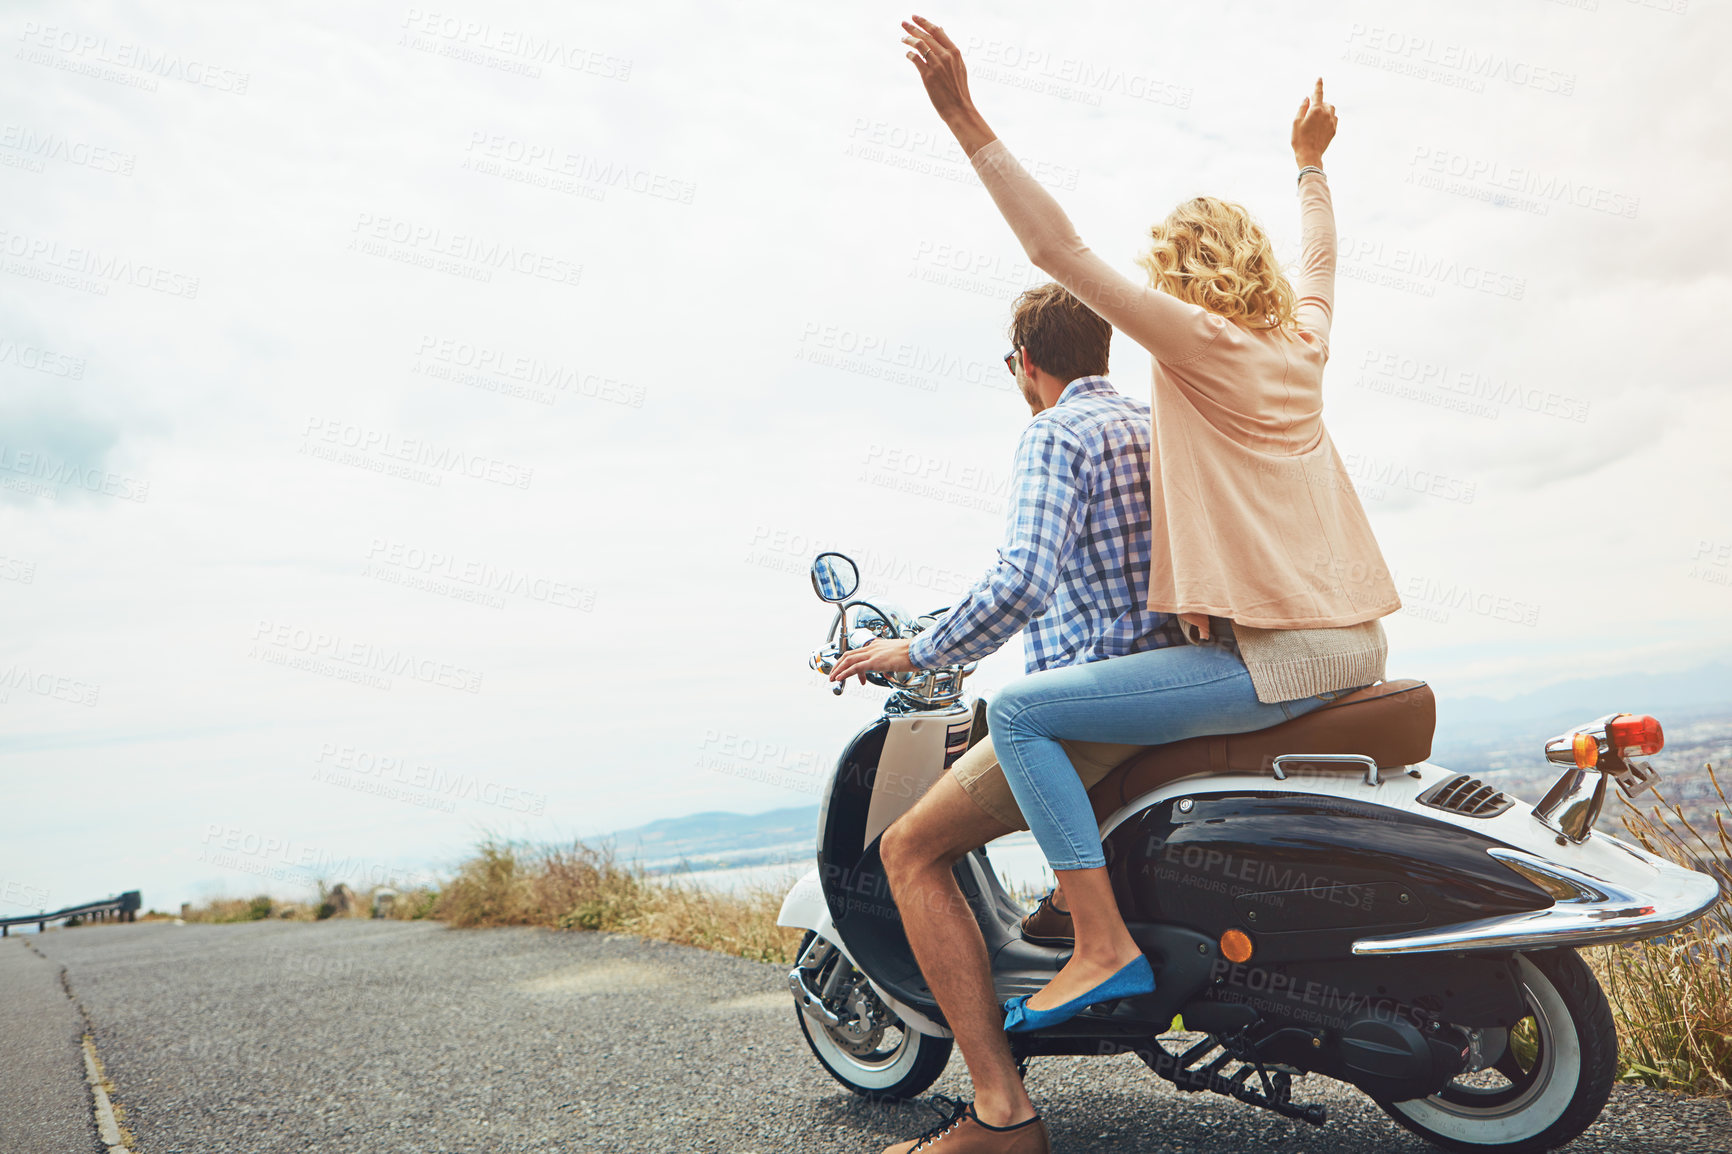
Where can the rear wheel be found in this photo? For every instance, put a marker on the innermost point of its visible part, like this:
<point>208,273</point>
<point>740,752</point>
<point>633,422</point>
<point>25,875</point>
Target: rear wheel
<point>869,1049</point>
<point>1552,1080</point>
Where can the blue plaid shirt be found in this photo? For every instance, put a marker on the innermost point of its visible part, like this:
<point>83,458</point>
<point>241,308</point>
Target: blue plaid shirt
<point>1075,563</point>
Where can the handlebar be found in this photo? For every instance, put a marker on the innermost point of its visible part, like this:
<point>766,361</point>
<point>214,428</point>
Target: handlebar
<point>924,687</point>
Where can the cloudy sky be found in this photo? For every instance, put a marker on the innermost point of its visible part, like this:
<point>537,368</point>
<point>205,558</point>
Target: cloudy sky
<point>417,421</point>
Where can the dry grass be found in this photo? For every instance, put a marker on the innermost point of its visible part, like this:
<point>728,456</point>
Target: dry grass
<point>583,888</point>
<point>235,910</point>
<point>1672,998</point>
<point>406,905</point>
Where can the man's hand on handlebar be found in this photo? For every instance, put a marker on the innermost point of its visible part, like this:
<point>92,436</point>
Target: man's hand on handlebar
<point>880,656</point>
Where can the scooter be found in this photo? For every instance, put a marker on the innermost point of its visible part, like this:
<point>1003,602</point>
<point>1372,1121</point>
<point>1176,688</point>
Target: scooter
<point>1314,898</point>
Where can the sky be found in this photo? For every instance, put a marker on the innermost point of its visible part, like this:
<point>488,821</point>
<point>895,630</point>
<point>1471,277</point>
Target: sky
<point>416,423</point>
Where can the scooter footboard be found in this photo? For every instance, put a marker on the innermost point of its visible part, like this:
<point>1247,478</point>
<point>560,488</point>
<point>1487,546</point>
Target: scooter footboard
<point>1184,963</point>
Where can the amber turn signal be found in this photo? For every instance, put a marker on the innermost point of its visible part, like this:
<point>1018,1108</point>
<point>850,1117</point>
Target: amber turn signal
<point>1587,748</point>
<point>1236,946</point>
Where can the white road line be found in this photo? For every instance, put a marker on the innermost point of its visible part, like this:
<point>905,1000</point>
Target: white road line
<point>106,1126</point>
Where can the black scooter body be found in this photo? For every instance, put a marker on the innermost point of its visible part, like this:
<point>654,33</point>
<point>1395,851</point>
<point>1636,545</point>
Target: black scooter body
<point>1306,876</point>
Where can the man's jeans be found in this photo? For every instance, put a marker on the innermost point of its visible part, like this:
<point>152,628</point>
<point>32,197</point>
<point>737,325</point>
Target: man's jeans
<point>1147,698</point>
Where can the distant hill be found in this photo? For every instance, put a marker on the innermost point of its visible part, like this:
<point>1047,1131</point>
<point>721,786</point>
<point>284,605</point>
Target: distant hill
<point>717,839</point>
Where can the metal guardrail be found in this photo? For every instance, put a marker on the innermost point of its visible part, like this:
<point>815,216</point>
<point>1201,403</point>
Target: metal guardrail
<point>121,909</point>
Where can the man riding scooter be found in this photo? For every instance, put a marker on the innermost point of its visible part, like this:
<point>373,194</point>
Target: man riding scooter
<point>1071,571</point>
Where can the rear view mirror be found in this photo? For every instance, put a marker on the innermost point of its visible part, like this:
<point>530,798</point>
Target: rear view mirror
<point>834,577</point>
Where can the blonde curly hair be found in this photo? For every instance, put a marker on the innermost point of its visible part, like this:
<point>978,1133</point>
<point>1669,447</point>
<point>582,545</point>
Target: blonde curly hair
<point>1213,254</point>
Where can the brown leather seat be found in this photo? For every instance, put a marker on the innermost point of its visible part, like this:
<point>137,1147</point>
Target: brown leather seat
<point>1391,722</point>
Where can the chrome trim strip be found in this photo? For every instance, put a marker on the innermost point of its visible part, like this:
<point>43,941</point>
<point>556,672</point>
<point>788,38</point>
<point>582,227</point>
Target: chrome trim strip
<point>1589,911</point>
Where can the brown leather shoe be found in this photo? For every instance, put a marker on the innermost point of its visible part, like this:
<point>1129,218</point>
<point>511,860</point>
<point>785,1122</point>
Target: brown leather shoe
<point>963,1133</point>
<point>1048,925</point>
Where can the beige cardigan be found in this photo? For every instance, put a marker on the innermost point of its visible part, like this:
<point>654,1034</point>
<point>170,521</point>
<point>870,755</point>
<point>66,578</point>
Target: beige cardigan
<point>1253,516</point>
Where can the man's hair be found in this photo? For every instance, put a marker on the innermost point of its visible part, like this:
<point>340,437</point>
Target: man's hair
<point>1063,336</point>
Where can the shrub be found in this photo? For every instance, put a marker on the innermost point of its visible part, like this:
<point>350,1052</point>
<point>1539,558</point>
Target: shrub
<point>585,888</point>
<point>1672,997</point>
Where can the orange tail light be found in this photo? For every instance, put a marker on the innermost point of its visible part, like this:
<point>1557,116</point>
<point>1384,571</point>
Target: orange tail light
<point>1635,734</point>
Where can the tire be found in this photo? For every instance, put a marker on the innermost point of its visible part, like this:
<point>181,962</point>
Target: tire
<point>1558,1071</point>
<point>900,1064</point>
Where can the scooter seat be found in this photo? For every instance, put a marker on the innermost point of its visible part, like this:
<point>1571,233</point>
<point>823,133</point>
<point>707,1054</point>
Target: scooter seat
<point>1391,722</point>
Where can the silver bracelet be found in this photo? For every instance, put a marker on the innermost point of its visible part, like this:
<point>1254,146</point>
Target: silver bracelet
<point>1311,168</point>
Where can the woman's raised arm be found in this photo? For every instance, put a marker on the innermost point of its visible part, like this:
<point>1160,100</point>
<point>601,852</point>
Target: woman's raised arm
<point>1313,129</point>
<point>1173,331</point>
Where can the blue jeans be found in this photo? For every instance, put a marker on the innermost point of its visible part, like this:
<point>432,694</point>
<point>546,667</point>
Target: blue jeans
<point>1147,698</point>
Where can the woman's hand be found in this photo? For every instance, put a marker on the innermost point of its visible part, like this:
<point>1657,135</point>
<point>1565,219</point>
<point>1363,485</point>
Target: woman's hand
<point>878,656</point>
<point>939,62</point>
<point>1313,128</point>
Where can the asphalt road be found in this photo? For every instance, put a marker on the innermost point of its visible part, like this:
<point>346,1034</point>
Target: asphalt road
<point>44,1106</point>
<point>397,1037</point>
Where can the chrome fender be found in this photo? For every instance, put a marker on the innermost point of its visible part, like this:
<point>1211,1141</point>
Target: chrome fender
<point>805,909</point>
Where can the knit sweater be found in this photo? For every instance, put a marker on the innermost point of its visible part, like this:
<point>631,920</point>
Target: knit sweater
<point>1253,515</point>
<point>1287,664</point>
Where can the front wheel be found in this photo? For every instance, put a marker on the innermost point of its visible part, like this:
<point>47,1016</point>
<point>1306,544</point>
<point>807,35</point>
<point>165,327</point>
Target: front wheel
<point>869,1050</point>
<point>1550,1084</point>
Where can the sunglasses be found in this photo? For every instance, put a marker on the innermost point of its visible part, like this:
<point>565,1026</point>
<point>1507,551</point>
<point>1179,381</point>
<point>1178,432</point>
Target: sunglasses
<point>1010,361</point>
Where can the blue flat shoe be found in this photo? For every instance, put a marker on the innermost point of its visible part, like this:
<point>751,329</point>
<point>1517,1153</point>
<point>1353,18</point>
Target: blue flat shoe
<point>1137,977</point>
